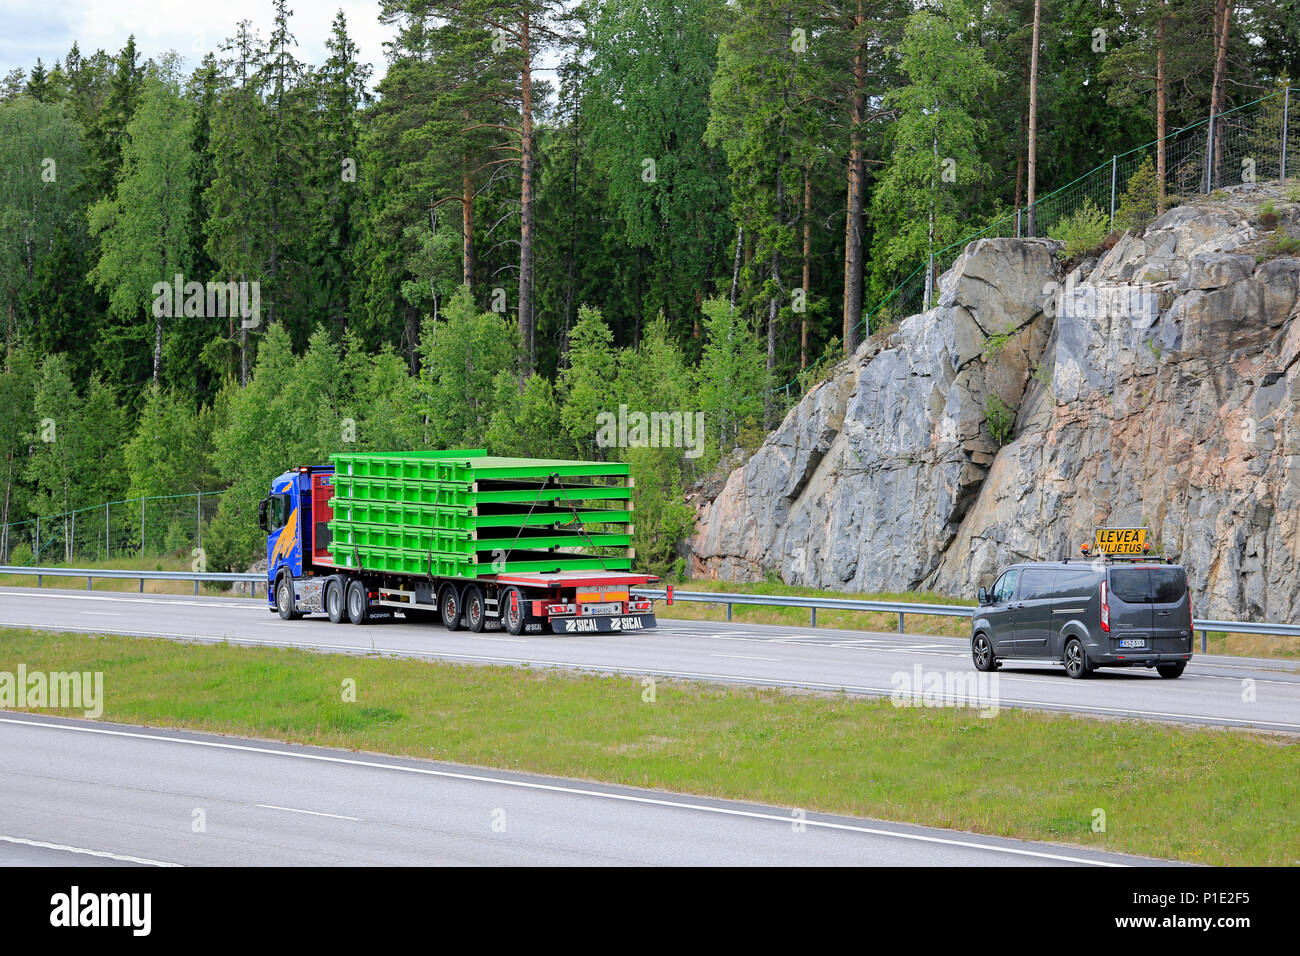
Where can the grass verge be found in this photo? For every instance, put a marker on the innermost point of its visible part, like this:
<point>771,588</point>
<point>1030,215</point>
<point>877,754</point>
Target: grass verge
<point>1202,795</point>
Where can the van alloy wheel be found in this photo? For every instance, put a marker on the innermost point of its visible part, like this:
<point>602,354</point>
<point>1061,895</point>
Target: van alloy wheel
<point>982,654</point>
<point>1076,661</point>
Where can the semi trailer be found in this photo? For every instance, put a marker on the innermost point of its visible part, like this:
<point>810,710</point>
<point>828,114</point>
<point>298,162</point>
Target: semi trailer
<point>472,540</point>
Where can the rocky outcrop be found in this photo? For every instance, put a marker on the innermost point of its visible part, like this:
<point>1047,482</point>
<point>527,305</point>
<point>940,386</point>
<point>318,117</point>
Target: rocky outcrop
<point>1158,386</point>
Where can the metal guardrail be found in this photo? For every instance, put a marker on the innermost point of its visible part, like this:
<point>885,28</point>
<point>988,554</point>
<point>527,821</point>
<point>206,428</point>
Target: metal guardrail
<point>91,573</point>
<point>727,599</point>
<point>903,608</point>
<point>814,604</point>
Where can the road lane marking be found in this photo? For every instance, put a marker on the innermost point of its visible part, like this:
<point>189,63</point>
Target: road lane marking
<point>104,854</point>
<point>743,657</point>
<point>314,813</point>
<point>783,819</point>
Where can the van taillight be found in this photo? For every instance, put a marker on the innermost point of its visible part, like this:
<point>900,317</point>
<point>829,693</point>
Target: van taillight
<point>1105,609</point>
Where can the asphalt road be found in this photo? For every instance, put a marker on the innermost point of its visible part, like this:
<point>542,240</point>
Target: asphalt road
<point>1212,691</point>
<point>84,793</point>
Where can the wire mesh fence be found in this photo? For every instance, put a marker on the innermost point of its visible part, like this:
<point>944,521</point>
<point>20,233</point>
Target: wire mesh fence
<point>133,527</point>
<point>1256,142</point>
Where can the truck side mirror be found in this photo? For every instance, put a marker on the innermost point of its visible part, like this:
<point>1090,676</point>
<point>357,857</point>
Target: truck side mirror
<point>261,515</point>
<point>982,596</point>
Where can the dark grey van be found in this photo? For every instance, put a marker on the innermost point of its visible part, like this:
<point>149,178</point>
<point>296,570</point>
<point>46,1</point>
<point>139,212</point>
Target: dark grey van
<point>1086,614</point>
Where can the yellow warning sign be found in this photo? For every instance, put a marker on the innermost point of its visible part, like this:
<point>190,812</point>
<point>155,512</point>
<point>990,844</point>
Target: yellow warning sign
<point>1121,541</point>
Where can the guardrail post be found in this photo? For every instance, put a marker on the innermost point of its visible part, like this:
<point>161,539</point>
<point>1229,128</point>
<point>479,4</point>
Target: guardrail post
<point>142,585</point>
<point>812,617</point>
<point>38,580</point>
<point>196,587</point>
<point>89,584</point>
<point>728,613</point>
<point>1203,642</point>
<point>900,622</point>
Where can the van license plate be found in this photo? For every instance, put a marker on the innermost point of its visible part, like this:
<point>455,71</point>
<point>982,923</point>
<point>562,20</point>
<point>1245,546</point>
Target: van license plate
<point>1132,642</point>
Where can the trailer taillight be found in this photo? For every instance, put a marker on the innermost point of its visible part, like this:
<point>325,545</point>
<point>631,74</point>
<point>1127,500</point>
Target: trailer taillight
<point>561,609</point>
<point>639,605</point>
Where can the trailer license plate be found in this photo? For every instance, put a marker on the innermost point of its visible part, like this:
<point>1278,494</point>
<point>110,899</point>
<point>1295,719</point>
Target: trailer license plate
<point>1132,642</point>
<point>612,608</point>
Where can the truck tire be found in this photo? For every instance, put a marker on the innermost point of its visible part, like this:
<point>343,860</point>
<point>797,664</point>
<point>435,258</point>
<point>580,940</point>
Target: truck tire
<point>336,600</point>
<point>449,604</point>
<point>512,612</point>
<point>358,605</point>
<point>475,610</point>
<point>284,598</point>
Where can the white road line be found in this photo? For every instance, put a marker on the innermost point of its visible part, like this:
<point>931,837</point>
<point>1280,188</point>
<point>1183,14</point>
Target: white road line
<point>314,813</point>
<point>103,614</point>
<point>574,791</point>
<point>743,657</point>
<point>34,592</point>
<point>84,852</point>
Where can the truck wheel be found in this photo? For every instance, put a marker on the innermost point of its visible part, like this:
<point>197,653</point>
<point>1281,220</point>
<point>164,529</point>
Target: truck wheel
<point>335,606</point>
<point>1076,659</point>
<point>475,612</point>
<point>449,603</point>
<point>284,598</point>
<point>1171,671</point>
<point>358,606</point>
<point>981,652</point>
<point>513,615</point>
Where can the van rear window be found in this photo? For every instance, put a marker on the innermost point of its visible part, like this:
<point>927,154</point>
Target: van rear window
<point>1148,585</point>
<point>1168,585</point>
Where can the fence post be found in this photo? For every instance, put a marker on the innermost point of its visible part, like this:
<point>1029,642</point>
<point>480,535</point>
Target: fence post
<point>198,521</point>
<point>1114,172</point>
<point>929,283</point>
<point>1286,118</point>
<point>1209,159</point>
<point>142,526</point>
<point>106,554</point>
<point>1017,223</point>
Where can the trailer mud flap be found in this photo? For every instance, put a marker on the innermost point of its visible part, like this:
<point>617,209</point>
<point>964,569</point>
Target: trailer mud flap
<point>602,625</point>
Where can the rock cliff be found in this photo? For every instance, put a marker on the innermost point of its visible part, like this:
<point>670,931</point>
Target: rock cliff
<point>1158,385</point>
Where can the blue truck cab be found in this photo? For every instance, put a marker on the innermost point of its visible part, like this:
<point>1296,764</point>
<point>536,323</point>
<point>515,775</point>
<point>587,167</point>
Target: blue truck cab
<point>297,534</point>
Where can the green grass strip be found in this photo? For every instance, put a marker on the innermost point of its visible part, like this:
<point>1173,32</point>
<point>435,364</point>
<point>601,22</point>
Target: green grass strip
<point>1204,795</point>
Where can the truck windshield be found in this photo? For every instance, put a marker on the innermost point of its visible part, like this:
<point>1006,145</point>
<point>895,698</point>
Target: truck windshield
<point>1148,585</point>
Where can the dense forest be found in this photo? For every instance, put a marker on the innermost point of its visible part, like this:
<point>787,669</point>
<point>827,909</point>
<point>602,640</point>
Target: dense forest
<point>543,210</point>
